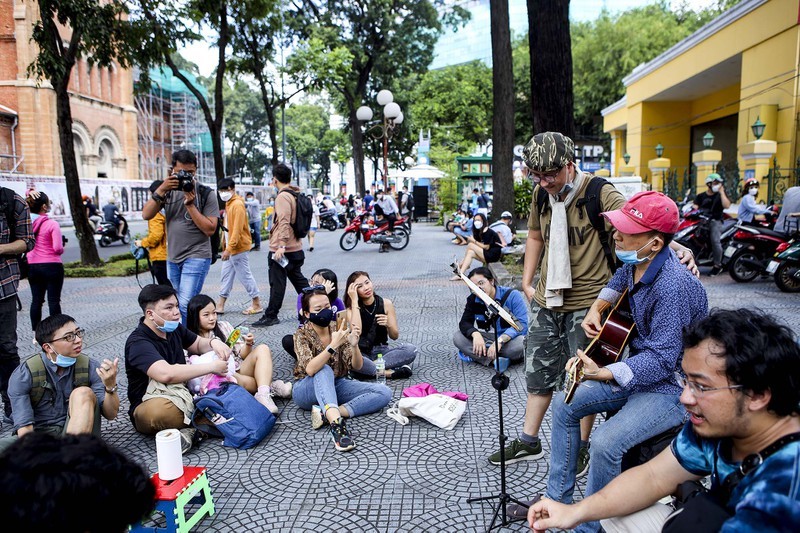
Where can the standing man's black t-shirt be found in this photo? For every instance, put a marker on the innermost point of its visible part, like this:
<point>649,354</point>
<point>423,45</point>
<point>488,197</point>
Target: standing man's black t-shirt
<point>143,348</point>
<point>710,204</point>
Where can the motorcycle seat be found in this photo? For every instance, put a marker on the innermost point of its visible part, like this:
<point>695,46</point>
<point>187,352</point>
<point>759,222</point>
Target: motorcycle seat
<point>772,233</point>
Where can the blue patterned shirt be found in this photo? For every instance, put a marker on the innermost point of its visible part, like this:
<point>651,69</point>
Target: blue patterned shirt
<point>664,301</point>
<point>765,500</point>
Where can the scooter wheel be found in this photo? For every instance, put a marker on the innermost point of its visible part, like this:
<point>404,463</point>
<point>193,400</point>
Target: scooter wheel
<point>738,268</point>
<point>402,234</point>
<point>787,277</point>
<point>105,240</point>
<point>348,241</point>
<point>126,239</point>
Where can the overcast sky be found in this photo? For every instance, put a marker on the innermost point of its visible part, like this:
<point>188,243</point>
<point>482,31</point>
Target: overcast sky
<point>199,52</point>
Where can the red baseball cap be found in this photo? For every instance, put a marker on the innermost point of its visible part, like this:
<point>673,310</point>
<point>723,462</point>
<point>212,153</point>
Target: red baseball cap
<point>646,211</point>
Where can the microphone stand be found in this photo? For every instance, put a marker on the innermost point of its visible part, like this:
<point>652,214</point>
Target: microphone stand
<point>500,383</point>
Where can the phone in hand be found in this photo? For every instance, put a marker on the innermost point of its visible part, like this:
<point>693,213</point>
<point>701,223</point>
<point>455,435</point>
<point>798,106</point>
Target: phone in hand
<point>341,318</point>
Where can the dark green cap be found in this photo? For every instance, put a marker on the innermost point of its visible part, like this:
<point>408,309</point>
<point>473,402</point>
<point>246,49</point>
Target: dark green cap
<point>548,151</point>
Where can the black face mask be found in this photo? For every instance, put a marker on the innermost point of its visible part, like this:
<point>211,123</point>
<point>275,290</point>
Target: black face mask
<point>323,318</point>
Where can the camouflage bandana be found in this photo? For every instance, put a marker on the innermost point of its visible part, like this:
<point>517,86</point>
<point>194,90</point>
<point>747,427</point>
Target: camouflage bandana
<point>548,151</point>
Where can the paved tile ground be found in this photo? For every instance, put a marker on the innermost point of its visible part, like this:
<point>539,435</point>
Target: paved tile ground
<point>399,478</point>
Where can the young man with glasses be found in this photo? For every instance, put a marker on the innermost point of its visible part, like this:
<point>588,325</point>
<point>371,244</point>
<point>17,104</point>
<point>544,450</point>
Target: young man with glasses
<point>664,299</point>
<point>62,390</point>
<point>740,386</point>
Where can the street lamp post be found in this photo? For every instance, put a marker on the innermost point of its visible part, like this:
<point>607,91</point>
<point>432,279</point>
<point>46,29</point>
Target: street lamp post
<point>392,117</point>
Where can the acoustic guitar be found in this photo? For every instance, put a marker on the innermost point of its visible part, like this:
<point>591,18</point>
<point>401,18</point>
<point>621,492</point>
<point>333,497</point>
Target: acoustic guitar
<point>607,347</point>
<point>490,302</point>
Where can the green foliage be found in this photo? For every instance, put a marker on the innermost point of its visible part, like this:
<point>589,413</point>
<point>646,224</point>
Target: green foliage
<point>246,128</point>
<point>455,103</point>
<point>523,110</point>
<point>607,49</point>
<point>118,265</point>
<point>523,193</point>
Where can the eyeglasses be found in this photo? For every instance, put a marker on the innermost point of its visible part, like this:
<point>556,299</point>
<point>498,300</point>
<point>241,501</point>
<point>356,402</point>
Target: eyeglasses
<point>70,337</point>
<point>549,177</point>
<point>698,390</point>
<point>314,288</point>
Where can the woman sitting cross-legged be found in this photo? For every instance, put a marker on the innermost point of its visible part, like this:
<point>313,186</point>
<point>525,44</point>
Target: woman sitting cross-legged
<point>484,244</point>
<point>477,343</point>
<point>325,355</point>
<point>377,320</point>
<point>324,278</point>
<point>253,363</point>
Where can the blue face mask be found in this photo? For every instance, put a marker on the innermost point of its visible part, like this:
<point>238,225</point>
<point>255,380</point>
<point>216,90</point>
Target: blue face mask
<point>323,318</point>
<point>169,325</point>
<point>632,257</point>
<point>62,360</point>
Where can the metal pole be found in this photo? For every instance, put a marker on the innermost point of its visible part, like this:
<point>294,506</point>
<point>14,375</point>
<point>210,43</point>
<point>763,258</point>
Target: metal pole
<point>386,155</point>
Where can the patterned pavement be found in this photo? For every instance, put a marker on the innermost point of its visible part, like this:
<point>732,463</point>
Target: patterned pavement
<point>399,478</point>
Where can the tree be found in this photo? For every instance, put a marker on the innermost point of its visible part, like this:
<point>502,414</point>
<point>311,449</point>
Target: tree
<point>455,103</point>
<point>608,48</point>
<point>245,129</point>
<point>66,31</point>
<point>172,25</point>
<point>551,66</point>
<point>387,39</point>
<point>503,112</point>
<point>523,111</point>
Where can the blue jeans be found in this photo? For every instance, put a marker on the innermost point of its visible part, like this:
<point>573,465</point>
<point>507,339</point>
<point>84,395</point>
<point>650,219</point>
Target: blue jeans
<point>395,357</point>
<point>188,277</point>
<point>641,415</point>
<point>357,397</point>
<point>255,224</point>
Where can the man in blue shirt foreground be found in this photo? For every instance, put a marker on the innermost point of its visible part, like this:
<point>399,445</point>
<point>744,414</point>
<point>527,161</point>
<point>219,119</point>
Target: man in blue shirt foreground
<point>664,298</point>
<point>741,389</point>
<point>477,343</point>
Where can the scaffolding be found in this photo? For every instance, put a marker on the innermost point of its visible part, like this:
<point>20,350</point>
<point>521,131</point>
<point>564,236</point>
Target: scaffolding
<point>170,119</point>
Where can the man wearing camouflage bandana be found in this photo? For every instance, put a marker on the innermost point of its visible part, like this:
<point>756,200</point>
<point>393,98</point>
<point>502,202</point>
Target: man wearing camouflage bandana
<point>573,271</point>
<point>562,236</point>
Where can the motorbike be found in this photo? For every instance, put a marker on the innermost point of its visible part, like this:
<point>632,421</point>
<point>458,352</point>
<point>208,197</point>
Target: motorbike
<point>785,266</point>
<point>693,232</point>
<point>360,228</point>
<point>328,219</point>
<point>748,254</point>
<point>106,233</point>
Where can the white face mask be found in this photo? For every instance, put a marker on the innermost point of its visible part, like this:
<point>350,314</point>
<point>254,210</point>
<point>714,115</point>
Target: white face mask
<point>716,188</point>
<point>226,196</point>
<point>478,224</point>
<point>753,191</point>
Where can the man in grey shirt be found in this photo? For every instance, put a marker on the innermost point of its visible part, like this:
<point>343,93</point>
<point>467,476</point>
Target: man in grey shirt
<point>254,216</point>
<point>788,220</point>
<point>192,218</point>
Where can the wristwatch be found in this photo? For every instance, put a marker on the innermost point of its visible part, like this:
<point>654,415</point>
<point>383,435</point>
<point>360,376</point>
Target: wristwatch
<point>158,198</point>
<point>330,350</point>
<point>112,390</point>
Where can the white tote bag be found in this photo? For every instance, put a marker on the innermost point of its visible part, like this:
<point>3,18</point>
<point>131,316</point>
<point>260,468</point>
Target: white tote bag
<point>440,410</point>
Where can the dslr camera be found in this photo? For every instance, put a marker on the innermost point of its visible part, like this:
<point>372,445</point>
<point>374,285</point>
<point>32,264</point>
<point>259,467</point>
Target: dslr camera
<point>185,181</point>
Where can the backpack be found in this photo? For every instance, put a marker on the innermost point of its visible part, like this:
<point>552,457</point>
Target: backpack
<point>232,413</point>
<point>304,214</point>
<point>410,201</point>
<point>39,382</point>
<point>591,199</point>
<point>216,237</point>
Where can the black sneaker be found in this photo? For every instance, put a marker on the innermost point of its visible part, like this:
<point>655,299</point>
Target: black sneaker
<point>518,451</point>
<point>714,271</point>
<point>341,437</point>
<point>265,321</point>
<point>583,462</point>
<point>404,372</point>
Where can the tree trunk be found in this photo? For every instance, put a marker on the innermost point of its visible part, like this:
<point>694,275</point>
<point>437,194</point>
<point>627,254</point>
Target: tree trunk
<point>83,231</point>
<point>551,66</point>
<point>273,129</point>
<point>358,153</point>
<point>503,121</point>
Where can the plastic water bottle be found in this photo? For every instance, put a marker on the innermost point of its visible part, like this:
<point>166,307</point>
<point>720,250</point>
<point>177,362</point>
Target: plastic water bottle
<point>380,370</point>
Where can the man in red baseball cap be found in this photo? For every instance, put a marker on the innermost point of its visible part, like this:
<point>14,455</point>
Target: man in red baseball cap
<point>664,297</point>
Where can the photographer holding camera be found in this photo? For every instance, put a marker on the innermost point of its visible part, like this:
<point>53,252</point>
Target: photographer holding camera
<point>192,215</point>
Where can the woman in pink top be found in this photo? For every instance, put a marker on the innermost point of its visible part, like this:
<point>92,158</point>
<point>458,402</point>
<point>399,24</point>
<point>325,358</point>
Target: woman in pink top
<point>46,273</point>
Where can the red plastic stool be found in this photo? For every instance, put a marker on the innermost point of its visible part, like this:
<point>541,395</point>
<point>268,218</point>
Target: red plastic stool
<point>173,496</point>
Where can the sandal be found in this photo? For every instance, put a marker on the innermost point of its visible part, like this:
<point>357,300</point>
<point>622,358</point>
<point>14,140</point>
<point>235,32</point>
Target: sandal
<point>251,311</point>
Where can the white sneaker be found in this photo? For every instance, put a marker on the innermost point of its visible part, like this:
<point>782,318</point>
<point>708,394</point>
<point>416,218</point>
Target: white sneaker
<point>266,401</point>
<point>282,389</point>
<point>317,417</point>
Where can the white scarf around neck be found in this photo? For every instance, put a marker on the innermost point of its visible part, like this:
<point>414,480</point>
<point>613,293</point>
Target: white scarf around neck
<point>559,271</point>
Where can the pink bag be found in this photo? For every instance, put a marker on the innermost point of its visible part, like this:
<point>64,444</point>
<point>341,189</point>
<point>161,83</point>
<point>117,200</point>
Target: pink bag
<point>425,389</point>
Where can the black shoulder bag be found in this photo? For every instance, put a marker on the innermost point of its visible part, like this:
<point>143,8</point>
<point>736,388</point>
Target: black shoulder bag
<point>699,510</point>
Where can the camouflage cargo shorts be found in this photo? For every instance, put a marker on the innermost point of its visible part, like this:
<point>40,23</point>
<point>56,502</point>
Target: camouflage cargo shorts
<point>552,338</point>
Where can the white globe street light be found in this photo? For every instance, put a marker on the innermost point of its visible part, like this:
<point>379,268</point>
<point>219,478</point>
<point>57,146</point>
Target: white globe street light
<point>384,97</point>
<point>392,117</point>
<point>364,113</point>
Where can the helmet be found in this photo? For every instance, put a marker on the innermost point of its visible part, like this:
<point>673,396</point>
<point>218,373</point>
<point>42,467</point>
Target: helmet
<point>749,182</point>
<point>713,177</point>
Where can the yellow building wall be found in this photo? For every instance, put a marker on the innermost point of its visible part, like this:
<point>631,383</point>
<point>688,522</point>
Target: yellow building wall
<point>716,105</point>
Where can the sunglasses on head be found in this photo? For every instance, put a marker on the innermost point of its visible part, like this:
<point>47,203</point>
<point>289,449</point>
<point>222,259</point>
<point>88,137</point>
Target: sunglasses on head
<point>314,288</point>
